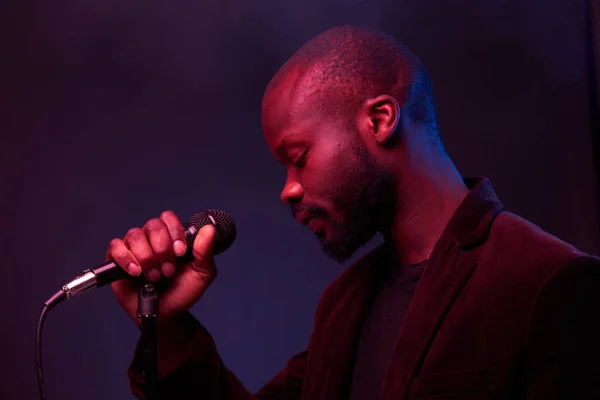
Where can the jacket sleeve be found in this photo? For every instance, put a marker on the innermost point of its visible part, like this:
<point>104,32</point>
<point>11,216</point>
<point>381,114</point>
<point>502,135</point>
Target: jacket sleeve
<point>563,342</point>
<point>204,376</point>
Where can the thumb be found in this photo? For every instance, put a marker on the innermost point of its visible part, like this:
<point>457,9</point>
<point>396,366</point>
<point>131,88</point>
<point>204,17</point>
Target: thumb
<point>203,247</point>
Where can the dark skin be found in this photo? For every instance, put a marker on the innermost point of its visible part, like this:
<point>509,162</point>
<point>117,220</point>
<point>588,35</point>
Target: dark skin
<point>426,188</point>
<point>333,184</point>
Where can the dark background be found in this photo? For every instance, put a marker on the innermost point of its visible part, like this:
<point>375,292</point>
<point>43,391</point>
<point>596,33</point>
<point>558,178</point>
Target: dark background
<point>113,111</point>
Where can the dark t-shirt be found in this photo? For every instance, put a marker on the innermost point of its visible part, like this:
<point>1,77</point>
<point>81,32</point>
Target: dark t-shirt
<point>381,328</point>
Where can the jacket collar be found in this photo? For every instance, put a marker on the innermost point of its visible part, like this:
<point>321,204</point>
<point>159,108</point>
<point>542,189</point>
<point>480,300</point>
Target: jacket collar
<point>472,220</point>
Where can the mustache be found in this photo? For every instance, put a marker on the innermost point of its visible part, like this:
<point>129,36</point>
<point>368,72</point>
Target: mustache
<point>309,209</point>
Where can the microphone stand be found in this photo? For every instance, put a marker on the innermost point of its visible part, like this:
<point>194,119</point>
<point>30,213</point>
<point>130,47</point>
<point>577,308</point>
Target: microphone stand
<point>148,311</point>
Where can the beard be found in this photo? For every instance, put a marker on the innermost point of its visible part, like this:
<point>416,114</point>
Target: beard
<point>364,197</point>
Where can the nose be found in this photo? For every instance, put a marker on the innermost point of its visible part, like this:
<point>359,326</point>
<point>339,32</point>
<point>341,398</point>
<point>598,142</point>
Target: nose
<point>292,192</point>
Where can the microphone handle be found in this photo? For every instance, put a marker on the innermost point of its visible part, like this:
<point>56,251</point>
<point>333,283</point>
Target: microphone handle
<point>106,273</point>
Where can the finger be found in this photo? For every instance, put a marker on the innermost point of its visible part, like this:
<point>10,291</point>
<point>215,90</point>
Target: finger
<point>120,254</point>
<point>176,232</point>
<point>203,248</point>
<point>137,241</point>
<point>162,246</point>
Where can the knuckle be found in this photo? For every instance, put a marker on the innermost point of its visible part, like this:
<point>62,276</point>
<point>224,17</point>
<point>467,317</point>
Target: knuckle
<point>209,278</point>
<point>134,234</point>
<point>172,223</point>
<point>115,247</point>
<point>120,256</point>
<point>114,244</point>
<point>177,232</point>
<point>168,214</point>
<point>154,225</point>
<point>204,260</point>
<point>120,253</point>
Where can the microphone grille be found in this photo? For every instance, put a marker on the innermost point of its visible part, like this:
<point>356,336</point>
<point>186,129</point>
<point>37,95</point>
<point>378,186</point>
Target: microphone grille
<point>225,228</point>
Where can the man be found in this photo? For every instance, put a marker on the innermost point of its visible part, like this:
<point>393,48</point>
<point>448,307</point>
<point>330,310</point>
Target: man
<point>463,300</point>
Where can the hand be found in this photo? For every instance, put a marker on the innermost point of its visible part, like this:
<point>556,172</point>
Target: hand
<point>151,251</point>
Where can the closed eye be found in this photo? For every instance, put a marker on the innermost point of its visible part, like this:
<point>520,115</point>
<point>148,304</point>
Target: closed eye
<point>301,162</point>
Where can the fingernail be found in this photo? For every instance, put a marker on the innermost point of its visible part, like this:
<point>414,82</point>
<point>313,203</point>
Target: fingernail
<point>153,275</point>
<point>134,269</point>
<point>179,247</point>
<point>168,269</point>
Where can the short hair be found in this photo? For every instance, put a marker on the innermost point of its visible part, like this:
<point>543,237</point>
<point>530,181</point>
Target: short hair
<point>349,64</point>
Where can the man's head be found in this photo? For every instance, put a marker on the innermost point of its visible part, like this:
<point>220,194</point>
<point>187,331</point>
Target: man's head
<point>334,116</point>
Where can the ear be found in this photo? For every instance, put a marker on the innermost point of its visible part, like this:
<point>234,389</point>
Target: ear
<point>379,118</point>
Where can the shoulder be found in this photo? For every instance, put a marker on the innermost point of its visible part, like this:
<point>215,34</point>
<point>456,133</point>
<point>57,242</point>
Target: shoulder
<point>519,246</point>
<point>519,258</point>
<point>512,230</point>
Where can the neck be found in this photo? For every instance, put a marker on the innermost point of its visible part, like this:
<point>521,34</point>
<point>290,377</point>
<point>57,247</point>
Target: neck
<point>431,190</point>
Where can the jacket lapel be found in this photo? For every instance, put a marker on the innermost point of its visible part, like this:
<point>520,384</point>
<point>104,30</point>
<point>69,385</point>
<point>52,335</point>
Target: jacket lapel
<point>441,282</point>
<point>451,264</point>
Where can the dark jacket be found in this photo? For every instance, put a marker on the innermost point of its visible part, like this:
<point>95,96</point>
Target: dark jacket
<point>503,310</point>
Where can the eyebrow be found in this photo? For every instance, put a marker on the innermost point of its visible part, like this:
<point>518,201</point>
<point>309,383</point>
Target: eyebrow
<point>286,142</point>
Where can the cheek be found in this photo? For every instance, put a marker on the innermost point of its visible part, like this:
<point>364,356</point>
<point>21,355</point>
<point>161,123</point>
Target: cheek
<point>329,170</point>
<point>323,180</point>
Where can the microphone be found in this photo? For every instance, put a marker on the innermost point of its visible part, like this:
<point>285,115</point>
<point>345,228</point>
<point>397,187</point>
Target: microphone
<point>109,271</point>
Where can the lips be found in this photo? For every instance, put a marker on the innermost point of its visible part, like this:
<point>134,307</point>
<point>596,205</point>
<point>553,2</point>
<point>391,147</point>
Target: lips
<point>314,224</point>
<point>303,218</point>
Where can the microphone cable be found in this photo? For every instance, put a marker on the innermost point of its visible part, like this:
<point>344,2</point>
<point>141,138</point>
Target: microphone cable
<point>225,234</point>
<point>38,353</point>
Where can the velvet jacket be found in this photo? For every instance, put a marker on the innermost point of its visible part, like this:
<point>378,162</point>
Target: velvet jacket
<point>503,310</point>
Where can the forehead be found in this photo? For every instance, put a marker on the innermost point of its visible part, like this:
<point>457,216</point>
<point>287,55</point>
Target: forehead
<point>289,108</point>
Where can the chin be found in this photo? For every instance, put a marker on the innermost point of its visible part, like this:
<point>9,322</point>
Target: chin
<point>336,253</point>
<point>339,251</point>
<point>343,244</point>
